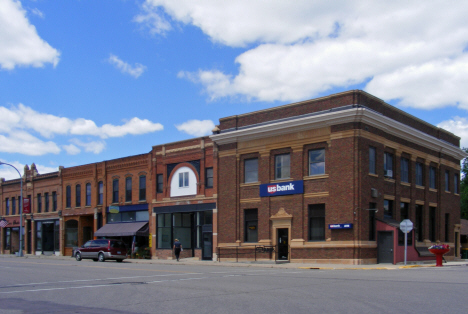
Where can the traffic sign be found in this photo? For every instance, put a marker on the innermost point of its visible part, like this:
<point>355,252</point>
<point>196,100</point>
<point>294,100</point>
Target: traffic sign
<point>406,226</point>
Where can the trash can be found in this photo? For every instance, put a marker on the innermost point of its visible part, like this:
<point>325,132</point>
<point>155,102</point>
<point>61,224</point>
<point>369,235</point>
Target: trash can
<point>464,254</point>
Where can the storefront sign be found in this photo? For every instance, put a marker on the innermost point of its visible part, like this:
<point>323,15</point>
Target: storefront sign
<point>340,226</point>
<point>114,209</point>
<point>26,206</point>
<point>283,188</point>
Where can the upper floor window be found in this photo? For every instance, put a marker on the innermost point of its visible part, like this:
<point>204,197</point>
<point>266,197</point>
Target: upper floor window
<point>372,160</point>
<point>432,177</point>
<point>115,191</point>
<point>7,206</point>
<point>100,192</point>
<point>251,225</point>
<point>209,177</point>
<point>88,194</point>
<point>78,195</point>
<point>388,208</point>
<point>251,170</point>
<point>142,194</point>
<point>13,206</point>
<point>404,171</point>
<point>419,174</point>
<point>159,183</point>
<point>404,210</point>
<point>39,203</point>
<point>447,183</point>
<point>54,201</point>
<point>455,184</point>
<point>128,189</point>
<point>282,166</point>
<point>46,202</point>
<point>68,196</point>
<point>316,162</point>
<point>388,165</point>
<point>183,179</point>
<point>184,182</point>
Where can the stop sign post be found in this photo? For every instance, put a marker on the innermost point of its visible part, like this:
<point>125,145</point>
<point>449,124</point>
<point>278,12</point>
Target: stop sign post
<point>406,226</point>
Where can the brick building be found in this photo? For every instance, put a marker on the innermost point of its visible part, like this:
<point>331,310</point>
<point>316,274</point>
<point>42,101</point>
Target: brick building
<point>330,179</point>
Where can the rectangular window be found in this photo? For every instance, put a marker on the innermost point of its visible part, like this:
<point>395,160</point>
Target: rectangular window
<point>88,194</point>
<point>78,195</point>
<point>115,191</point>
<point>209,177</point>
<point>183,179</point>
<point>418,226</point>
<point>142,194</point>
<point>432,177</point>
<point>372,221</point>
<point>39,203</point>
<point>404,165</point>
<point>251,225</point>
<point>6,242</point>
<point>404,210</point>
<point>251,170</point>
<point>432,224</point>
<point>7,207</point>
<point>164,231</point>
<point>455,184</point>
<point>100,192</point>
<point>316,162</point>
<point>372,160</point>
<point>419,174</point>
<point>182,228</point>
<point>388,208</point>
<point>46,205</point>
<point>160,183</point>
<point>447,227</point>
<point>128,189</point>
<point>447,182</point>
<point>401,238</point>
<point>388,165</point>
<point>282,166</point>
<point>13,206</point>
<point>54,201</point>
<point>317,222</point>
<point>68,196</point>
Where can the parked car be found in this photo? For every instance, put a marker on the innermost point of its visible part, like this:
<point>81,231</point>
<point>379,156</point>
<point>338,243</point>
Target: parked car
<point>101,250</point>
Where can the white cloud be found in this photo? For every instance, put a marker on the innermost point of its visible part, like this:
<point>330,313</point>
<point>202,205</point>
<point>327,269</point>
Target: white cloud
<point>27,144</point>
<point>71,149</point>
<point>196,127</point>
<point>20,44</point>
<point>126,68</point>
<point>37,12</point>
<point>91,147</point>
<point>152,19</point>
<point>298,51</point>
<point>459,127</point>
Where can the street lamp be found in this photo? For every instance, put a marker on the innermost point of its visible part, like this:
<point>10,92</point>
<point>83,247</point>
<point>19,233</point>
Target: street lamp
<point>20,253</point>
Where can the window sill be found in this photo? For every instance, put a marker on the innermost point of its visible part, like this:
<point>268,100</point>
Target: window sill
<point>433,190</point>
<point>448,192</point>
<point>280,180</point>
<point>420,187</point>
<point>316,177</point>
<point>373,175</point>
<point>391,180</point>
<point>250,184</point>
<point>456,194</point>
<point>405,183</point>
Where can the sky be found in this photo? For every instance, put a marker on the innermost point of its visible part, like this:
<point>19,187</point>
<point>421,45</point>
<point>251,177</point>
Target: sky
<point>83,81</point>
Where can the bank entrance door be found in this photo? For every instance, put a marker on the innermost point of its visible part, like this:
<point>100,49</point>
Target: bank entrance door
<point>283,244</point>
<point>385,247</point>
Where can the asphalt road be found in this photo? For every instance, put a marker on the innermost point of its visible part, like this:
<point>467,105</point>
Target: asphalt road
<point>68,286</point>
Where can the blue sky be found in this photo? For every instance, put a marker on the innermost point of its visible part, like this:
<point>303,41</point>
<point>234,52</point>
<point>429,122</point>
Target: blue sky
<point>83,81</point>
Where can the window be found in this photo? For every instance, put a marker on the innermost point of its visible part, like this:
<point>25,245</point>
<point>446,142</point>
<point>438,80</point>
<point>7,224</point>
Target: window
<point>447,227</point>
<point>46,205</point>
<point>404,171</point>
<point>115,191</point>
<point>78,195</point>
<point>404,212</point>
<point>317,222</point>
<point>419,174</point>
<point>39,203</point>
<point>54,201</point>
<point>432,224</point>
<point>160,181</point>
<point>432,177</point>
<point>372,160</point>
<point>251,225</point>
<point>455,184</point>
<point>282,166</point>
<point>88,194</point>
<point>209,177</point>
<point>418,226</point>
<point>182,229</point>
<point>68,196</point>
<point>183,179</point>
<point>71,233</point>
<point>142,194</point>
<point>7,206</point>
<point>251,170</point>
<point>447,183</point>
<point>388,208</point>
<point>13,206</point>
<point>164,231</point>
<point>316,162</point>
<point>100,192</point>
<point>372,221</point>
<point>128,189</point>
<point>388,165</point>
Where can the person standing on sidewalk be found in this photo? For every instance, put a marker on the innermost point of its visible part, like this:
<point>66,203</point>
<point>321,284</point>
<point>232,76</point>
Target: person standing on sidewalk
<point>177,248</point>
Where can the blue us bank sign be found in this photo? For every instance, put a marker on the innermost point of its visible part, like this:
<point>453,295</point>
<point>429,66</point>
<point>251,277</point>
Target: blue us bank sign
<point>283,188</point>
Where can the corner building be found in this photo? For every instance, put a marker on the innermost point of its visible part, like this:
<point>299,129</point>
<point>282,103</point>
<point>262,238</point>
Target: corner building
<point>330,179</point>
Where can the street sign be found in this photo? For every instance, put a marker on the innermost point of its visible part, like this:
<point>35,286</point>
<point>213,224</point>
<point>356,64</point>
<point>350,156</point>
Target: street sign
<point>406,226</point>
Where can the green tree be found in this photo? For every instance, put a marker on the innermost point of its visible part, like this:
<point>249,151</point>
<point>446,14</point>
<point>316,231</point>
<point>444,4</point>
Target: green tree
<point>464,187</point>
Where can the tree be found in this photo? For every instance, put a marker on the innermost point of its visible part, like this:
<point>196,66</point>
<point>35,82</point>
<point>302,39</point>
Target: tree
<point>464,187</point>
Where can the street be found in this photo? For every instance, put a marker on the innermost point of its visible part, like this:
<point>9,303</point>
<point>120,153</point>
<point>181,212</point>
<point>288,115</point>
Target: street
<point>57,286</point>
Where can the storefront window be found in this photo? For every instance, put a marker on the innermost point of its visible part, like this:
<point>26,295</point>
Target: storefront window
<point>164,231</point>
<point>142,216</point>
<point>6,244</point>
<point>183,229</point>
<point>38,236</point>
<point>57,236</point>
<point>114,217</point>
<point>71,233</point>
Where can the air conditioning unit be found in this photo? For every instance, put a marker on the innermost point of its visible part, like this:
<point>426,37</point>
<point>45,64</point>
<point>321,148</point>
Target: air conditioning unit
<point>374,193</point>
<point>389,173</point>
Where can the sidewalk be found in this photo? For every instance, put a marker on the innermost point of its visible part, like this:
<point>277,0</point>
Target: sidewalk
<point>262,264</point>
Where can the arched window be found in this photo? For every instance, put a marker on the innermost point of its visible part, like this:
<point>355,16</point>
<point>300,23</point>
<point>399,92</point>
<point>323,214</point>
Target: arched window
<point>68,197</point>
<point>142,188</point>
<point>115,191</point>
<point>100,192</point>
<point>184,182</point>
<point>128,189</point>
<point>88,194</point>
<point>78,195</point>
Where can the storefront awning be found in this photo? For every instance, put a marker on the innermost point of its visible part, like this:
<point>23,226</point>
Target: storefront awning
<point>123,230</point>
